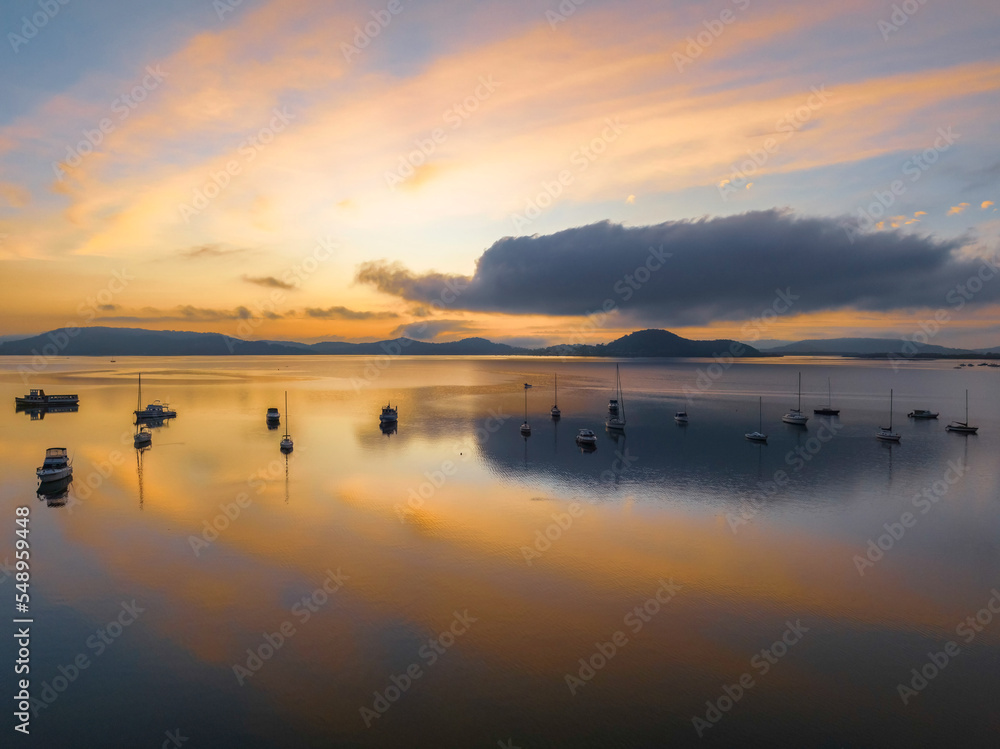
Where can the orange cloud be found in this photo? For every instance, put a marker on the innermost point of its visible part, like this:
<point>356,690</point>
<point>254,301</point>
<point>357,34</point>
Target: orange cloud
<point>956,209</point>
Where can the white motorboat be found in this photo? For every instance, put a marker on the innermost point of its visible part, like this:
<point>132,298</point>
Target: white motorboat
<point>586,437</point>
<point>681,417</point>
<point>56,465</point>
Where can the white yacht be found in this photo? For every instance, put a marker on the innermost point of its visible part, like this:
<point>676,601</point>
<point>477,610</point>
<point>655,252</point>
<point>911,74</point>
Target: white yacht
<point>795,415</point>
<point>586,437</point>
<point>885,433</point>
<point>616,406</point>
<point>55,466</point>
<point>759,435</point>
<point>286,439</point>
<point>681,417</point>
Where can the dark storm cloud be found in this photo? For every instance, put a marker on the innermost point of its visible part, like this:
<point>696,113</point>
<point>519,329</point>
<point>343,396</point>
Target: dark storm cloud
<point>343,313</point>
<point>696,271</point>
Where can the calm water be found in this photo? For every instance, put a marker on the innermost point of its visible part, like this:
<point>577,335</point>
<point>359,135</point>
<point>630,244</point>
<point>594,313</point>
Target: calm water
<point>448,618</point>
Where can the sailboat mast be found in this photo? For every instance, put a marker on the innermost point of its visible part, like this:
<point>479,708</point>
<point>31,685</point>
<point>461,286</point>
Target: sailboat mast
<point>286,412</point>
<point>760,414</point>
<point>800,393</point>
<point>966,407</point>
<point>621,397</point>
<point>138,398</point>
<point>890,409</point>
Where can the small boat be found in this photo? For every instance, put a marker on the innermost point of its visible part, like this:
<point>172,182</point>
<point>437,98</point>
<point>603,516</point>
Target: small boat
<point>795,416</point>
<point>556,413</point>
<point>759,435</point>
<point>586,437</point>
<point>616,406</point>
<point>154,410</point>
<point>885,433</point>
<point>143,437</point>
<point>37,397</point>
<point>681,417</point>
<point>56,465</point>
<point>389,415</point>
<point>828,409</point>
<point>922,413</point>
<point>526,427</point>
<point>962,427</point>
<point>286,439</point>
<point>273,416</point>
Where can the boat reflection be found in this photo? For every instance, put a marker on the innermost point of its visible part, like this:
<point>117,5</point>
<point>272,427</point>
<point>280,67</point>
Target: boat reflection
<point>37,413</point>
<point>387,428</point>
<point>56,492</point>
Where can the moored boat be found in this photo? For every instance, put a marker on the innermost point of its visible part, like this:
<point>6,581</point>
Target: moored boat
<point>586,437</point>
<point>616,406</point>
<point>38,397</point>
<point>922,413</point>
<point>154,410</point>
<point>795,415</point>
<point>389,414</point>
<point>681,417</point>
<point>885,433</point>
<point>56,465</point>
<point>962,427</point>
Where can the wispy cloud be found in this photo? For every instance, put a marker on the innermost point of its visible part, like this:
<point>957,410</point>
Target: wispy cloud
<point>205,251</point>
<point>343,313</point>
<point>986,204</point>
<point>269,281</point>
<point>956,209</point>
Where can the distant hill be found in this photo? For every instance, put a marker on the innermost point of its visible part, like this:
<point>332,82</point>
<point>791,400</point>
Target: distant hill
<point>864,347</point>
<point>104,341</point>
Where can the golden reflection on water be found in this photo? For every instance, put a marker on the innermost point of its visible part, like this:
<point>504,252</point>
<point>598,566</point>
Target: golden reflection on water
<point>339,502</point>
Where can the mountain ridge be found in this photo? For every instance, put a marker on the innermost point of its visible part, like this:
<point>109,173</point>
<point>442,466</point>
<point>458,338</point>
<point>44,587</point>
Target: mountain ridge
<point>105,341</point>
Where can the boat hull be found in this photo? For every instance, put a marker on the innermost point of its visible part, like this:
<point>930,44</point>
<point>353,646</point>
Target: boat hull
<point>50,475</point>
<point>826,411</point>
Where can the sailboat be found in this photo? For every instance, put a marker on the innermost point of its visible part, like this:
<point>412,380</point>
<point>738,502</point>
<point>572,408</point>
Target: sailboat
<point>962,427</point>
<point>142,437</point>
<point>526,427</point>
<point>556,413</point>
<point>828,409</point>
<point>885,433</point>
<point>616,406</point>
<point>795,416</point>
<point>286,440</point>
<point>759,435</point>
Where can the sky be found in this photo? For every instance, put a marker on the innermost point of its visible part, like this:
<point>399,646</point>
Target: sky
<point>529,171</point>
